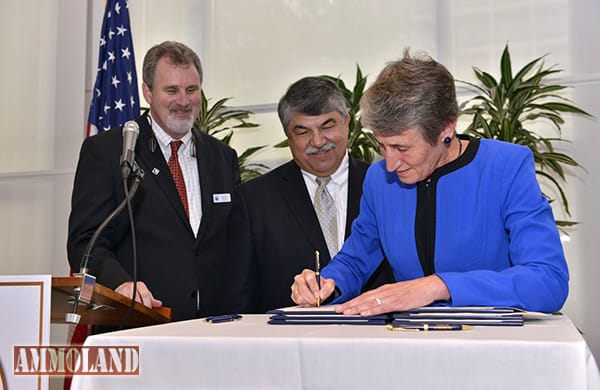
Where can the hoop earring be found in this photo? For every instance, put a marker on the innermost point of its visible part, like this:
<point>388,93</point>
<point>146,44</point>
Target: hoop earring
<point>447,140</point>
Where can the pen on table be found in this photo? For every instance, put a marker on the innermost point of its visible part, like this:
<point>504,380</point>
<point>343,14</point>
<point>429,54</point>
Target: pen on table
<point>318,276</point>
<point>427,327</point>
<point>223,318</point>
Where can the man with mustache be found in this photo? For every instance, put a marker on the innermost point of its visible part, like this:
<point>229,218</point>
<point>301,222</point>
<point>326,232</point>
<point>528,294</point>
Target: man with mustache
<point>181,229</point>
<point>275,226</point>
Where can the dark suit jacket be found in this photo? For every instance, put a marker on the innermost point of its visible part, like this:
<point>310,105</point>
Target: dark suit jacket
<point>175,265</point>
<point>274,233</point>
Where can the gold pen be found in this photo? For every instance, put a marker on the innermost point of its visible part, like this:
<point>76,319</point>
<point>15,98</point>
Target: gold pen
<point>427,327</point>
<point>318,276</point>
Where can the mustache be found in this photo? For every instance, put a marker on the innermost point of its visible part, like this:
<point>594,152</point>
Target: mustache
<point>312,150</point>
<point>179,107</point>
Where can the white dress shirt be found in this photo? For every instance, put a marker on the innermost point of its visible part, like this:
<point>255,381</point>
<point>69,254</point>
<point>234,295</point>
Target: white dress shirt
<point>338,188</point>
<point>189,168</point>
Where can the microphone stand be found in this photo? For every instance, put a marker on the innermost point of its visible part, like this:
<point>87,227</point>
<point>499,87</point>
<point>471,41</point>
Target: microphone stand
<point>85,292</point>
<point>139,174</point>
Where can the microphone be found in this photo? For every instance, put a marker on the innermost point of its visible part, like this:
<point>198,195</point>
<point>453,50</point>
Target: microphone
<point>131,130</point>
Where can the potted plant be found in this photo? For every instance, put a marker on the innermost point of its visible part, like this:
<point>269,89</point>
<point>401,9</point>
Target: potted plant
<point>221,121</point>
<point>506,109</point>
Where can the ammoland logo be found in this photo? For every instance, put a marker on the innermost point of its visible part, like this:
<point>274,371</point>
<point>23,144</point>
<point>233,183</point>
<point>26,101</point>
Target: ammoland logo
<point>76,360</point>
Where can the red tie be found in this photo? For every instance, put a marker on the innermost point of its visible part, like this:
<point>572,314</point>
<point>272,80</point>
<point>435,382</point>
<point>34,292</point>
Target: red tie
<point>175,169</point>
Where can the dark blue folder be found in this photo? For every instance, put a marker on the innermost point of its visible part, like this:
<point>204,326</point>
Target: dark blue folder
<point>471,315</point>
<point>318,316</point>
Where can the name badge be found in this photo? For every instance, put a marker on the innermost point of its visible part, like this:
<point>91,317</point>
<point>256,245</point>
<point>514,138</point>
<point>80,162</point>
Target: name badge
<point>222,198</point>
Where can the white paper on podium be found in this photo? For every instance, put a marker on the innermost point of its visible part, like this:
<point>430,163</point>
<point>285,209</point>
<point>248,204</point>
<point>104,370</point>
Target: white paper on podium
<point>25,303</point>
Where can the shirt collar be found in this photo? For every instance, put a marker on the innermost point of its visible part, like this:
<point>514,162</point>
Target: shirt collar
<point>338,177</point>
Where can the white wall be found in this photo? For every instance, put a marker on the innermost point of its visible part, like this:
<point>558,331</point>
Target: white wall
<point>584,247</point>
<point>41,127</point>
<point>48,73</point>
<point>42,116</point>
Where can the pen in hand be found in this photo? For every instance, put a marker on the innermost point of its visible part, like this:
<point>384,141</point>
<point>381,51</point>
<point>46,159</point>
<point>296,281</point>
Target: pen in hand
<point>318,276</point>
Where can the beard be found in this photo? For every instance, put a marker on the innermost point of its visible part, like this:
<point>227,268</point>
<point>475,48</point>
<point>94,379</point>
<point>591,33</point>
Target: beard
<point>180,125</point>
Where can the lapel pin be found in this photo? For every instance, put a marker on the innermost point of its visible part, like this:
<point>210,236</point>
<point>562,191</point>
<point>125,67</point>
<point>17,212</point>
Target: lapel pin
<point>155,171</point>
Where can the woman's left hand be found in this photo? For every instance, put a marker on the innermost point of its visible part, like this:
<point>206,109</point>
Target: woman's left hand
<point>399,296</point>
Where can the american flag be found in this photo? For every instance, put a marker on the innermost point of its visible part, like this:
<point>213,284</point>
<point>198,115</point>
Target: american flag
<point>115,97</point>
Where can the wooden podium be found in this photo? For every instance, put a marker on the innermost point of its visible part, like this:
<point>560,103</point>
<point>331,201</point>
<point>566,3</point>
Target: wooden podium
<point>107,307</point>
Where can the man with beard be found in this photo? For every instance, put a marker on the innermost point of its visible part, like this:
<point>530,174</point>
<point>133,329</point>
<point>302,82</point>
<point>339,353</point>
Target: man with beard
<point>181,228</point>
<point>279,220</point>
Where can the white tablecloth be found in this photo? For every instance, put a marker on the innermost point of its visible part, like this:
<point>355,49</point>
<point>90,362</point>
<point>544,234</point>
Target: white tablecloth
<point>250,354</point>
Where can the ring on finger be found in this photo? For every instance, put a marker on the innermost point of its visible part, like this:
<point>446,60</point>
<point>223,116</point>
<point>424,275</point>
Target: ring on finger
<point>378,301</point>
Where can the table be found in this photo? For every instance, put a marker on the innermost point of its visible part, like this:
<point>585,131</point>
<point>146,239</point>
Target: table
<point>250,354</point>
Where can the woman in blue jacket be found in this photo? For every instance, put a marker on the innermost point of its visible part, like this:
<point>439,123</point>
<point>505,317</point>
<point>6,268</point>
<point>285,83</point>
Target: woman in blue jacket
<point>461,220</point>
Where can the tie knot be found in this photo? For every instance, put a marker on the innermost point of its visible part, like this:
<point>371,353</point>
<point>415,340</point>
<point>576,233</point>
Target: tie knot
<point>175,145</point>
<point>323,180</point>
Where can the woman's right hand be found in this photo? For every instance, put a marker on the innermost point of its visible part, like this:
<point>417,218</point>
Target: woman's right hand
<point>305,289</point>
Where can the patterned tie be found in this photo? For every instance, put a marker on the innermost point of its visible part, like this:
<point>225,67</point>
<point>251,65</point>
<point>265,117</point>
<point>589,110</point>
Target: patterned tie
<point>327,214</point>
<point>175,169</point>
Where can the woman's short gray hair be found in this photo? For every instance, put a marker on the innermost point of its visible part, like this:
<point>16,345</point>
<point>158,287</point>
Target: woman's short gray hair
<point>410,92</point>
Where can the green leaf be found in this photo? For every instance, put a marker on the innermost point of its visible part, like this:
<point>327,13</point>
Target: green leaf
<point>282,144</point>
<point>506,69</point>
<point>486,79</point>
<point>527,68</point>
<point>249,152</point>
